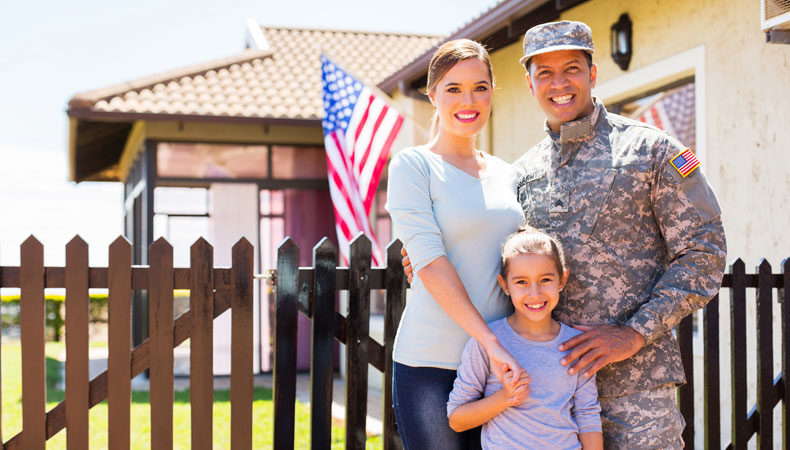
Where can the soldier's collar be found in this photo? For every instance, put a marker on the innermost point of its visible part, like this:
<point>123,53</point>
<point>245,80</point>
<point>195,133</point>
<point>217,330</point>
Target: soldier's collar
<point>579,129</point>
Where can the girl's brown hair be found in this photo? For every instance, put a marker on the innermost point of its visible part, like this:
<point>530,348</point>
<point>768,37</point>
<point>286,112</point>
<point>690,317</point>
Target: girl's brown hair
<point>531,241</point>
<point>448,55</point>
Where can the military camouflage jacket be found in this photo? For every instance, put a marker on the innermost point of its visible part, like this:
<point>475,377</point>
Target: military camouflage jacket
<point>645,245</point>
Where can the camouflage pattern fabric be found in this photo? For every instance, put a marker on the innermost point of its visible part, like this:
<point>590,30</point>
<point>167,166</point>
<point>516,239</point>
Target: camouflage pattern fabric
<point>645,245</point>
<point>644,420</point>
<point>554,36</point>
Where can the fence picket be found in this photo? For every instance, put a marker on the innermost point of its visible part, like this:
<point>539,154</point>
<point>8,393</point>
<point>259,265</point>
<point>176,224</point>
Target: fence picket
<point>119,358</point>
<point>765,359</point>
<point>241,274</point>
<point>201,344</point>
<point>395,281</point>
<point>685,331</point>
<point>737,349</point>
<point>160,320</point>
<point>31,319</point>
<point>321,350</point>
<point>784,299</point>
<point>285,317</point>
<point>77,376</point>
<point>357,342</point>
<point>712,393</point>
<point>2,446</point>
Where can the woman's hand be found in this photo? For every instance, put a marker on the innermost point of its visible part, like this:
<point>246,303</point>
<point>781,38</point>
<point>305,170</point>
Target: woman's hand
<point>502,361</point>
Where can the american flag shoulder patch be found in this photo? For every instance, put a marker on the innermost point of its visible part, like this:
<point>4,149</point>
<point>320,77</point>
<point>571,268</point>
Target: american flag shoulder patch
<point>685,162</point>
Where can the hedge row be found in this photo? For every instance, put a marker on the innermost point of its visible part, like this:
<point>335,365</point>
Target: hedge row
<point>97,312</point>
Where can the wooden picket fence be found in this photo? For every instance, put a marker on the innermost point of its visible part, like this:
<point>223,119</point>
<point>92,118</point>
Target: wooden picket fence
<point>312,291</point>
<point>212,292</point>
<point>757,420</point>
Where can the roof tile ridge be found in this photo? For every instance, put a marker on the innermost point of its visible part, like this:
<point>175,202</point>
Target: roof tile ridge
<point>89,98</point>
<point>339,30</point>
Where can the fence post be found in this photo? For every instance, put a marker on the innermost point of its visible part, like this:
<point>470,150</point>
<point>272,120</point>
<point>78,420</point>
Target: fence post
<point>241,389</point>
<point>201,344</point>
<point>1,365</point>
<point>285,335</point>
<point>784,298</point>
<point>357,357</point>
<point>737,350</point>
<point>321,354</point>
<point>160,322</point>
<point>711,371</point>
<point>119,357</point>
<point>765,359</point>
<point>686,391</point>
<point>396,301</point>
<point>31,318</point>
<point>77,375</point>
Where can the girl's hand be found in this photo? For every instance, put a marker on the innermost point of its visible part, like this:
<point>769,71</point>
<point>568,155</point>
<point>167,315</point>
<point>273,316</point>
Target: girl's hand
<point>516,390</point>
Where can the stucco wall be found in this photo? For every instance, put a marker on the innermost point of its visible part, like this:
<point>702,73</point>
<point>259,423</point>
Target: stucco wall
<point>747,106</point>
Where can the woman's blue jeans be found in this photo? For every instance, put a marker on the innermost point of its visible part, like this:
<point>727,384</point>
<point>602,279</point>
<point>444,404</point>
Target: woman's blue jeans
<point>419,396</point>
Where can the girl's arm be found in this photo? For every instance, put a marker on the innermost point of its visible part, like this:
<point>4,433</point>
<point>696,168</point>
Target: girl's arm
<point>592,440</point>
<point>473,414</point>
<point>587,413</point>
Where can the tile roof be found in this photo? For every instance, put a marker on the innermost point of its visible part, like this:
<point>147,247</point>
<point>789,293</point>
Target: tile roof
<point>281,82</point>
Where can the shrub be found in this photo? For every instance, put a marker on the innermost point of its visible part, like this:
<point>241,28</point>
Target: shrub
<point>54,310</point>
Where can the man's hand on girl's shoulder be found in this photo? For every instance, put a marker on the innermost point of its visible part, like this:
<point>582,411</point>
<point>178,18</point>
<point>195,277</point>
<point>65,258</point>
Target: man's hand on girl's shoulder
<point>599,346</point>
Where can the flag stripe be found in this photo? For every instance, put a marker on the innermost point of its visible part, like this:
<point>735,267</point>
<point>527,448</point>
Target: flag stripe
<point>380,164</point>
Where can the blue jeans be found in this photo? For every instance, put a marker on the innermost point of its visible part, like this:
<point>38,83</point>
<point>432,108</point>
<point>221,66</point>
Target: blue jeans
<point>419,396</point>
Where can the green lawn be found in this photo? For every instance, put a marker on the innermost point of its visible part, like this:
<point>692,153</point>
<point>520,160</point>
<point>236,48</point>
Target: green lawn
<point>140,413</point>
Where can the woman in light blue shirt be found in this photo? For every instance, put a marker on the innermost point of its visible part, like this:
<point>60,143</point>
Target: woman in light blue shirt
<point>451,205</point>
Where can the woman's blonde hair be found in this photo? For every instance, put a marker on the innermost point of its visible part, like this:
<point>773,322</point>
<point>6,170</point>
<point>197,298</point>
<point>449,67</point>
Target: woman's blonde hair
<point>531,241</point>
<point>445,58</point>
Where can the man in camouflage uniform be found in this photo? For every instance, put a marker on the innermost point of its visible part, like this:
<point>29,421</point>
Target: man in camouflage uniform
<point>642,234</point>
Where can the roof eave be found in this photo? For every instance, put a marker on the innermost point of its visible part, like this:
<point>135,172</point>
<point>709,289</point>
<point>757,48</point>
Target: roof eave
<point>477,29</point>
<point>115,116</point>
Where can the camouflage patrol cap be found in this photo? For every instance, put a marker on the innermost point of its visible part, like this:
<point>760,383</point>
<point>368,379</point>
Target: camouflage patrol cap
<point>554,36</point>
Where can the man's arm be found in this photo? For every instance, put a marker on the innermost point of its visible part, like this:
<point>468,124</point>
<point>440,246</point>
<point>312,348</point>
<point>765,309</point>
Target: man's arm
<point>688,216</point>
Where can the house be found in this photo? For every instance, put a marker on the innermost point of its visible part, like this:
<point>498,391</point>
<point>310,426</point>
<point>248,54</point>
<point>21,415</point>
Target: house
<point>229,148</point>
<point>740,103</point>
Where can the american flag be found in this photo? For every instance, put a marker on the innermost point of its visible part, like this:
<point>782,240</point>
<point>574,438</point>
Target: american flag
<point>685,162</point>
<point>673,111</point>
<point>359,128</point>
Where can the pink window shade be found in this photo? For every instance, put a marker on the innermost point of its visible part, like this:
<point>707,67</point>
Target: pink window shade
<point>298,162</point>
<point>180,160</point>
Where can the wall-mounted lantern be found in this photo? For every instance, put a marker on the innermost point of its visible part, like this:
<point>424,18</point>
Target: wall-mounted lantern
<point>621,42</point>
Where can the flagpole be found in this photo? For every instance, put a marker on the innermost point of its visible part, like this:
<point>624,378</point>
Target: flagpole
<point>383,96</point>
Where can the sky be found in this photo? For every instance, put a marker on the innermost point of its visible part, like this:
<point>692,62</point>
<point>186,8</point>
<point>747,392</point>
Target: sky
<point>50,50</point>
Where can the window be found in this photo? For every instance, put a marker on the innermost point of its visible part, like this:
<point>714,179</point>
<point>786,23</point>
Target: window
<point>181,217</point>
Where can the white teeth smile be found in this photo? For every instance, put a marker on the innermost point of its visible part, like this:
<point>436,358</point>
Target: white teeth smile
<point>537,306</point>
<point>466,116</point>
<point>562,100</point>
